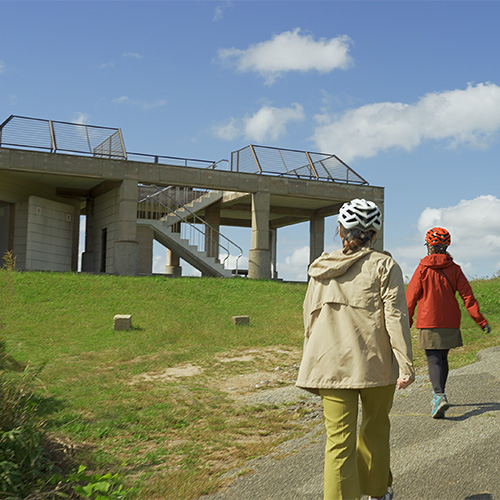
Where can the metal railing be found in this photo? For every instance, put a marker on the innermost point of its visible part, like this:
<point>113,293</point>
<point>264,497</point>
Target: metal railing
<point>55,136</point>
<point>198,233</point>
<point>105,142</point>
<point>176,160</point>
<point>170,198</point>
<point>281,162</point>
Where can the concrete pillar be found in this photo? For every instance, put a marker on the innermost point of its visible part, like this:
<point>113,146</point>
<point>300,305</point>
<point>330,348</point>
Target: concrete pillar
<point>173,268</point>
<point>88,256</point>
<point>259,258</point>
<point>76,235</point>
<point>212,218</point>
<point>126,249</point>
<point>316,237</point>
<point>145,239</point>
<point>273,246</point>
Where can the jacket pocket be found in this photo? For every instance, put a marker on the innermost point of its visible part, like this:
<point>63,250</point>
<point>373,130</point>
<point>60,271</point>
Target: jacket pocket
<point>367,301</point>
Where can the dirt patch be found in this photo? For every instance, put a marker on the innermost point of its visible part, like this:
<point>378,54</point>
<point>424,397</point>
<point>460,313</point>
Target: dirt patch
<point>185,370</point>
<point>255,369</point>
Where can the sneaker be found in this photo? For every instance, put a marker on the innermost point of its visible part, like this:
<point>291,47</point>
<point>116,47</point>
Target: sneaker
<point>439,405</point>
<point>388,496</point>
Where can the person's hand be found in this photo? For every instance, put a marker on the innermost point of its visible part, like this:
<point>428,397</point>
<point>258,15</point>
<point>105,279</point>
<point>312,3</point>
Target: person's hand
<point>486,328</point>
<point>403,383</point>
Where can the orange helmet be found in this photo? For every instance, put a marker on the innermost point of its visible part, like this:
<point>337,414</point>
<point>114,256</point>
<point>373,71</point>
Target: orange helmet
<point>438,236</point>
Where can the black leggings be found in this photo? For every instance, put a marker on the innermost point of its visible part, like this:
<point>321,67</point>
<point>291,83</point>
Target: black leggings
<point>437,361</point>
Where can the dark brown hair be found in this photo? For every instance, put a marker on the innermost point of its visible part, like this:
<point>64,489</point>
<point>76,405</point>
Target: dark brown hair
<point>437,249</point>
<point>355,238</point>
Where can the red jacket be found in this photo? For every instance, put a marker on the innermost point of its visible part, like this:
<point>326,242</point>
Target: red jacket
<point>437,304</point>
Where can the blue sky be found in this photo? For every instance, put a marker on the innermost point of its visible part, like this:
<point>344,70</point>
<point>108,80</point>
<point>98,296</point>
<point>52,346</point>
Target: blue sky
<point>406,92</point>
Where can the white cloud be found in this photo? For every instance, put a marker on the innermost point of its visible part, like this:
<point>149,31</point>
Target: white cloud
<point>219,10</point>
<point>107,65</point>
<point>295,266</point>
<point>474,226</point>
<point>290,51</point>
<point>159,103</point>
<point>2,67</point>
<point>270,122</point>
<point>141,104</point>
<point>133,55</point>
<point>267,124</point>
<point>159,262</point>
<point>466,116</point>
<point>121,100</point>
<point>81,118</point>
<point>228,131</point>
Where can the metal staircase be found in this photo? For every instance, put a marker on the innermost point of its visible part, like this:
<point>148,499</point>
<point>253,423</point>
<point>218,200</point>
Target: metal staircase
<point>172,215</point>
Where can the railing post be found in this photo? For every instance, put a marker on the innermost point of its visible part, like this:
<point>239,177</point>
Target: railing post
<point>312,164</point>
<point>88,139</point>
<point>53,145</point>
<point>122,143</point>
<point>3,125</point>
<point>255,158</point>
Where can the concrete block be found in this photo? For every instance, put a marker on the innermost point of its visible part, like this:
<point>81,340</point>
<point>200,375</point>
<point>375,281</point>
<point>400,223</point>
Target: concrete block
<point>122,322</point>
<point>241,320</point>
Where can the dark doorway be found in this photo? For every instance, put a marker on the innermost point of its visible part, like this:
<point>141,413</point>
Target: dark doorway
<point>104,244</point>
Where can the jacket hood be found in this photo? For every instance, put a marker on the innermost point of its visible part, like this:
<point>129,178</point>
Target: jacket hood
<point>332,265</point>
<point>437,261</point>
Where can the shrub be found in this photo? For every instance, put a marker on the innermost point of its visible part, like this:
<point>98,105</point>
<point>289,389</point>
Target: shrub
<point>24,463</point>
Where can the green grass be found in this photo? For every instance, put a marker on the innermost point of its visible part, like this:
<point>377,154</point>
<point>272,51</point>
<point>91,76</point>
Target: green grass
<point>171,437</point>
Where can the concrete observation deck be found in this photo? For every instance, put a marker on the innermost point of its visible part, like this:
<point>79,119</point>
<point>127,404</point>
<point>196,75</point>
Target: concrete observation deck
<point>43,194</point>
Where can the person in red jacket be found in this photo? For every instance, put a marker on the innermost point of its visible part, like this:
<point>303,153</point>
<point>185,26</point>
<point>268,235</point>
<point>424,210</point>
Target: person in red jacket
<point>433,286</point>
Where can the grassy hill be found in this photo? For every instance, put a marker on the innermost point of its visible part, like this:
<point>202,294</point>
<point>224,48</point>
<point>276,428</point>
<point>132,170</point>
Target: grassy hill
<point>161,404</point>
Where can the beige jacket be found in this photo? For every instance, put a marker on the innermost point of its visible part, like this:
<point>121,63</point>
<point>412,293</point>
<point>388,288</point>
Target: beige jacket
<point>357,331</point>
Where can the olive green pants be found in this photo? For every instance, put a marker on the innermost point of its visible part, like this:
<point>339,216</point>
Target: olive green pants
<point>355,467</point>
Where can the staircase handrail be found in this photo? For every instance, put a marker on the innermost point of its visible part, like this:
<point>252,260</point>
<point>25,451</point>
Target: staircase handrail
<point>195,217</point>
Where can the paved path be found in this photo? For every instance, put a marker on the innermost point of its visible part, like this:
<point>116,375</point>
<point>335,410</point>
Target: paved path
<point>457,458</point>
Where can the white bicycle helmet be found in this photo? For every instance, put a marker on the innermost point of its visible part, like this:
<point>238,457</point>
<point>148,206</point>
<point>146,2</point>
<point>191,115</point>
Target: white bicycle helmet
<point>360,213</point>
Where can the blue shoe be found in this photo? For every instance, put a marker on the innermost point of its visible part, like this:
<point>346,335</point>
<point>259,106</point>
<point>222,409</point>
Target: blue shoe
<point>388,496</point>
<point>439,405</point>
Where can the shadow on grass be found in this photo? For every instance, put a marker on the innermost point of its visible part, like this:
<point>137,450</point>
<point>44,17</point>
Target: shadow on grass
<point>46,405</point>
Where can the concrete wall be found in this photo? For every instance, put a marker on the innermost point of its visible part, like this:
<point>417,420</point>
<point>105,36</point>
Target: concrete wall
<point>31,243</point>
<point>49,235</point>
<point>105,218</point>
<point>20,233</point>
<point>4,227</point>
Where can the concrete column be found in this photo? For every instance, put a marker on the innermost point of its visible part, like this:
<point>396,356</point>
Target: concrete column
<point>173,267</point>
<point>145,239</point>
<point>212,218</point>
<point>273,246</point>
<point>316,237</point>
<point>126,250</point>
<point>259,258</point>
<point>76,235</point>
<point>88,256</point>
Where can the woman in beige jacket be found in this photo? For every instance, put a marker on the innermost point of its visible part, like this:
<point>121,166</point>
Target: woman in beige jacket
<point>357,344</point>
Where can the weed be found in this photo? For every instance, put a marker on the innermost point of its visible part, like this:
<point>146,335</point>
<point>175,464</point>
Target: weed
<point>9,260</point>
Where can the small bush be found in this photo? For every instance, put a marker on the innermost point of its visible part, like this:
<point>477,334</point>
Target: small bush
<point>24,464</point>
<point>27,471</point>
